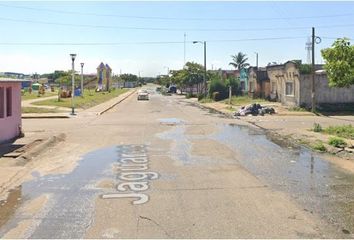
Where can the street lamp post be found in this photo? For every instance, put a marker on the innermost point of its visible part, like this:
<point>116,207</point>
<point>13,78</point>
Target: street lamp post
<point>205,71</point>
<point>72,82</point>
<point>82,79</point>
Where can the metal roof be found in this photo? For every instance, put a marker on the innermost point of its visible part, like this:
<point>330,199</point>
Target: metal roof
<point>12,80</point>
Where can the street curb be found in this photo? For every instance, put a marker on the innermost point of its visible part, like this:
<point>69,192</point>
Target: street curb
<point>45,116</point>
<point>113,105</point>
<point>228,115</point>
<point>36,150</point>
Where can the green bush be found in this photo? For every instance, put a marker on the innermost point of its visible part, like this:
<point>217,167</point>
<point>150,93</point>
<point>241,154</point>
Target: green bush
<point>344,131</point>
<point>190,95</point>
<point>317,127</point>
<point>216,85</point>
<point>337,142</point>
<point>200,96</point>
<point>297,109</point>
<point>215,96</point>
<point>234,84</point>
<point>319,146</point>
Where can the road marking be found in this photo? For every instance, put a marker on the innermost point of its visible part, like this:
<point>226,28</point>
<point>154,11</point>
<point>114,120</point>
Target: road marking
<point>132,164</point>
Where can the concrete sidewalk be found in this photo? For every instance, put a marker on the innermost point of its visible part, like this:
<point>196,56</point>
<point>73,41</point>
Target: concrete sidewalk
<point>66,112</point>
<point>31,137</point>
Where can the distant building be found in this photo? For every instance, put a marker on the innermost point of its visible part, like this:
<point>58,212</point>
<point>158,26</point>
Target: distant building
<point>104,76</point>
<point>244,80</point>
<point>13,75</point>
<point>10,108</point>
<point>284,83</point>
<point>258,82</point>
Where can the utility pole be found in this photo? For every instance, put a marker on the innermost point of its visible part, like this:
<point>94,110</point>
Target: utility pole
<point>256,59</point>
<point>73,83</point>
<point>184,56</point>
<point>205,71</point>
<point>313,104</point>
<point>82,79</point>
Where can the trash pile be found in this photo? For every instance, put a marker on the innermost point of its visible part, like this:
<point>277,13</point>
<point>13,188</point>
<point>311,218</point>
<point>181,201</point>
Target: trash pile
<point>254,109</point>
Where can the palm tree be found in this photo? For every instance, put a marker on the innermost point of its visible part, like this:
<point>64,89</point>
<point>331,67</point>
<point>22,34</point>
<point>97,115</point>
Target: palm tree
<point>239,61</point>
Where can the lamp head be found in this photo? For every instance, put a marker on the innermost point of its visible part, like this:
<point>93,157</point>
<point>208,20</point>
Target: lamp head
<point>73,56</point>
<point>82,64</point>
<point>194,42</point>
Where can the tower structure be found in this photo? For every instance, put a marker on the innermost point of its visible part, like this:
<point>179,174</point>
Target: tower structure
<point>308,48</point>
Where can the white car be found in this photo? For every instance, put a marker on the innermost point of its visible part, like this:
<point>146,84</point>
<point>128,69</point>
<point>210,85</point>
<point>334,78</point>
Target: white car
<point>143,95</point>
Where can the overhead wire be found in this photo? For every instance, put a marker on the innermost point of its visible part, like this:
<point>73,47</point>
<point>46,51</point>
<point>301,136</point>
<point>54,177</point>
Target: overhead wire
<point>176,18</point>
<point>139,43</point>
<point>171,29</point>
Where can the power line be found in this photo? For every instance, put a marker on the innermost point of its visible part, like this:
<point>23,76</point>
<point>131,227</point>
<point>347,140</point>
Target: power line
<point>170,29</point>
<point>175,18</point>
<point>335,38</point>
<point>139,43</point>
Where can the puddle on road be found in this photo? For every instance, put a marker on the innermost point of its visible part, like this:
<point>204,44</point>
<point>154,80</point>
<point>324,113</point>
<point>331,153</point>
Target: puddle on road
<point>9,206</point>
<point>315,183</point>
<point>171,121</point>
<point>69,210</point>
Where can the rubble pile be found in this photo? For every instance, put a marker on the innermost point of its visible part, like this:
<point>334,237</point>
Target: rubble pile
<point>254,109</point>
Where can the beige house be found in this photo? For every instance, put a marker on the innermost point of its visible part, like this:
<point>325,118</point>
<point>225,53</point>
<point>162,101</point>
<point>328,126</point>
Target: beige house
<point>284,83</point>
<point>291,88</point>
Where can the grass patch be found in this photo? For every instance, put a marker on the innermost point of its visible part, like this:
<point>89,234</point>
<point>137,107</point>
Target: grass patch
<point>89,99</point>
<point>297,109</point>
<point>34,95</point>
<point>206,100</point>
<point>230,108</point>
<point>38,110</point>
<point>244,100</point>
<point>317,127</point>
<point>319,146</point>
<point>344,131</point>
<point>337,142</point>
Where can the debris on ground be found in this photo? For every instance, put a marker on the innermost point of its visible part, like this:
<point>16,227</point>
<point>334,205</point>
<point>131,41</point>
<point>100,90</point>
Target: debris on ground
<point>254,109</point>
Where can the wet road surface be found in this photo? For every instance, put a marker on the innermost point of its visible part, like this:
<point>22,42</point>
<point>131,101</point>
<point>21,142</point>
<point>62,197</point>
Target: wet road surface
<point>171,170</point>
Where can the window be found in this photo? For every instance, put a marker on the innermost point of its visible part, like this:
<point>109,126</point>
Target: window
<point>9,102</point>
<point>2,102</point>
<point>289,88</point>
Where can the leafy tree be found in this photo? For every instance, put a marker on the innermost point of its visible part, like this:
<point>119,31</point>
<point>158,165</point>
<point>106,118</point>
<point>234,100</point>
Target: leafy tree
<point>339,64</point>
<point>191,74</point>
<point>303,68</point>
<point>195,73</point>
<point>65,79</point>
<point>239,61</point>
<point>128,77</point>
<point>163,80</point>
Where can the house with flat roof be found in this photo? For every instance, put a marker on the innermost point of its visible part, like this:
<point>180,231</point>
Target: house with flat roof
<point>10,109</point>
<point>293,88</point>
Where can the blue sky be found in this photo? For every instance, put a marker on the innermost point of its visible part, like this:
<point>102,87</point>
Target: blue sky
<point>214,22</point>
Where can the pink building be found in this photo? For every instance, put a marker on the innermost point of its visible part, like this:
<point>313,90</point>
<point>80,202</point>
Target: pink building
<point>10,109</point>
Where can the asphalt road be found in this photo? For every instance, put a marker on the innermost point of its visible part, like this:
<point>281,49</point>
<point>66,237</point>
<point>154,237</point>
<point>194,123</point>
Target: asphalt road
<point>165,168</point>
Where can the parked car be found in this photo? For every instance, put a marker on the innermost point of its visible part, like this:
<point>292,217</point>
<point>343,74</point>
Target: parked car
<point>143,95</point>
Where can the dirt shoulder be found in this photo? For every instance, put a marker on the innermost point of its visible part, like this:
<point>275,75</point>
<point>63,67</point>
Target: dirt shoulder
<point>296,127</point>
